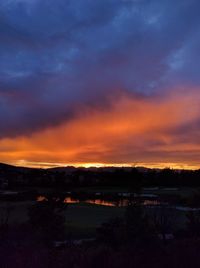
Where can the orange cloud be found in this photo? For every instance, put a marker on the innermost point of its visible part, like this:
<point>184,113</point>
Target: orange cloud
<point>132,130</point>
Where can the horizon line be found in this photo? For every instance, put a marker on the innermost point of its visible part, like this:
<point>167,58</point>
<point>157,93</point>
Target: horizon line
<point>47,165</point>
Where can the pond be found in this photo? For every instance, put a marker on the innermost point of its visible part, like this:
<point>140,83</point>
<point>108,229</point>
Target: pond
<point>119,202</point>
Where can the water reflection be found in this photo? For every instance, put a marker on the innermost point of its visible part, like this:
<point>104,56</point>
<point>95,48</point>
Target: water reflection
<point>41,198</point>
<point>101,202</point>
<point>70,200</point>
<point>151,203</point>
<point>122,202</point>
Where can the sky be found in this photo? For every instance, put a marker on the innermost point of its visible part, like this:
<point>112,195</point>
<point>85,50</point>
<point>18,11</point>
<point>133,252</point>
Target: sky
<point>104,82</point>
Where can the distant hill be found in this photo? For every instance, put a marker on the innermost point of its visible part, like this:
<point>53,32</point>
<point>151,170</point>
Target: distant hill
<point>6,167</point>
<point>69,176</point>
<point>69,169</point>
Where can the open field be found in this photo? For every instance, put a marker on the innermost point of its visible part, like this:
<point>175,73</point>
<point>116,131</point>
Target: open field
<point>81,219</point>
<point>182,191</point>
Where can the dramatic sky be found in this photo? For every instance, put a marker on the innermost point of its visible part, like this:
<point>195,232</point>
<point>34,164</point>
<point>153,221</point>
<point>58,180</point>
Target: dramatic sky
<point>100,82</point>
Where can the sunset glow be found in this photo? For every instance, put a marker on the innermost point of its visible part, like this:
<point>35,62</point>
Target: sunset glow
<point>130,132</point>
<point>118,93</point>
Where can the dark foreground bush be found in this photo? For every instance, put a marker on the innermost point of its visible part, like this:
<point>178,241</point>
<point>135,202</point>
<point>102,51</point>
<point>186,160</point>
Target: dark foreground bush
<point>183,254</point>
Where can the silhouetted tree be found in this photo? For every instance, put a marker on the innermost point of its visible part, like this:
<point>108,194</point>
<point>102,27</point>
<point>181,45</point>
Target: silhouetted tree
<point>193,223</point>
<point>138,224</point>
<point>4,221</point>
<point>112,232</point>
<point>47,220</point>
<point>164,220</point>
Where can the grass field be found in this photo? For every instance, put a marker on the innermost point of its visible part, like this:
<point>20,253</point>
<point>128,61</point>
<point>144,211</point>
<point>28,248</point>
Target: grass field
<point>82,219</point>
<point>182,191</point>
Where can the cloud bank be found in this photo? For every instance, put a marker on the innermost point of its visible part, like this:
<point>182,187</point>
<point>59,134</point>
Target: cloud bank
<point>110,81</point>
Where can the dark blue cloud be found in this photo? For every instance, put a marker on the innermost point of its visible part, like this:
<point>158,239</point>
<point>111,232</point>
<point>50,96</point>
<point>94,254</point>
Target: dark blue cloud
<point>58,55</point>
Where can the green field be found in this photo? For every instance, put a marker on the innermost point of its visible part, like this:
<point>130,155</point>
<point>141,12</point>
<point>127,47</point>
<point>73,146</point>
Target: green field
<point>82,219</point>
<point>181,191</point>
